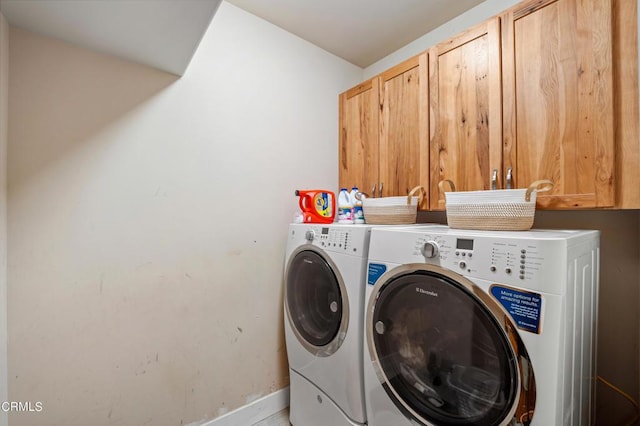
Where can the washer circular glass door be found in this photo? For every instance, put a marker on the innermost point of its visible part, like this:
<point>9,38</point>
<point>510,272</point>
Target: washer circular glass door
<point>316,301</point>
<point>444,353</point>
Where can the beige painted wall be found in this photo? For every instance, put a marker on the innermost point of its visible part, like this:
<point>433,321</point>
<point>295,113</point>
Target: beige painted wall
<point>619,320</point>
<point>4,101</point>
<point>147,221</point>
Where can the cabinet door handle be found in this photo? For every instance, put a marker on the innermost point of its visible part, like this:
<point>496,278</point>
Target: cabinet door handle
<point>380,190</point>
<point>494,179</point>
<point>509,179</point>
<point>373,191</point>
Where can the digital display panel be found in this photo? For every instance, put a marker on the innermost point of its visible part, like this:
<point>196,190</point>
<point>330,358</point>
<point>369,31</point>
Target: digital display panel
<point>325,231</point>
<point>464,244</point>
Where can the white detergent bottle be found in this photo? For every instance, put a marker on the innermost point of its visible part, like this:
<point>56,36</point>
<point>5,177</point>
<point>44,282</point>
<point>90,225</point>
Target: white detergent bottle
<point>356,201</point>
<point>352,197</point>
<point>345,207</point>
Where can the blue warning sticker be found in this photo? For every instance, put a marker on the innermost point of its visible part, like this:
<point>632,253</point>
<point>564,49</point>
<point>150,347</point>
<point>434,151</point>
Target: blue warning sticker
<point>374,272</point>
<point>525,307</point>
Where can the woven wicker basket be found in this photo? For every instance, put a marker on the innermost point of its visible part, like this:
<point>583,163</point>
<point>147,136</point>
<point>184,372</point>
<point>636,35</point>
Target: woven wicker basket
<point>393,210</point>
<point>496,210</point>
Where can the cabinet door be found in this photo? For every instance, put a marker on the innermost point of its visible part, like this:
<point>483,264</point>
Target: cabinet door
<point>465,110</point>
<point>558,99</point>
<point>358,143</point>
<point>404,156</point>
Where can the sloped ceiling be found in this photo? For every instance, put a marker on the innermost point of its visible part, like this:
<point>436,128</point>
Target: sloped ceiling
<point>160,33</point>
<point>165,33</point>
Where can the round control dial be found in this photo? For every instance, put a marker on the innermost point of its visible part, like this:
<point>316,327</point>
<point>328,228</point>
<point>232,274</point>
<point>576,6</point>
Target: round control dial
<point>310,235</point>
<point>430,249</point>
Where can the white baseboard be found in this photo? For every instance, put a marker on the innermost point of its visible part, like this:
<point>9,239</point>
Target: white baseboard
<point>254,412</point>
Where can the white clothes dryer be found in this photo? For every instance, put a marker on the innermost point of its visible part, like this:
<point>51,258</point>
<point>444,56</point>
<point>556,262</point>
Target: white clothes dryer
<point>324,309</point>
<point>480,328</point>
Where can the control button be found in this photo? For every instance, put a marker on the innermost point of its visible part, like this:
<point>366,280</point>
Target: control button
<point>522,267</point>
<point>522,256</point>
<point>464,254</point>
<point>507,270</point>
<point>522,261</point>
<point>470,254</point>
<point>522,277</point>
<point>457,253</point>
<point>430,249</point>
<point>493,268</point>
<point>523,251</point>
<point>462,264</point>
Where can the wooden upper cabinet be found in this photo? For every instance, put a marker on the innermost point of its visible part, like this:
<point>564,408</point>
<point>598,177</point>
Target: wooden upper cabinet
<point>383,132</point>
<point>465,110</point>
<point>358,140</point>
<point>531,91</point>
<point>404,143</point>
<point>558,100</point>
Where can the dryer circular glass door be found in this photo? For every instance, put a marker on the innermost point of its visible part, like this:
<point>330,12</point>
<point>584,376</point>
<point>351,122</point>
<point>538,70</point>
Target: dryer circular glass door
<point>316,301</point>
<point>443,354</point>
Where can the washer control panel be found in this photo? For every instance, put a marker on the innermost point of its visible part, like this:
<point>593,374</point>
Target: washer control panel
<point>491,258</point>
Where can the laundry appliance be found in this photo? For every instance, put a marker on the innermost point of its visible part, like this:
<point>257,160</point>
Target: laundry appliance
<point>324,309</point>
<point>480,328</point>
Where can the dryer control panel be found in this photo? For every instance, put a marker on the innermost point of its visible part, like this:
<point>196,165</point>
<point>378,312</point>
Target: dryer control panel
<point>337,238</point>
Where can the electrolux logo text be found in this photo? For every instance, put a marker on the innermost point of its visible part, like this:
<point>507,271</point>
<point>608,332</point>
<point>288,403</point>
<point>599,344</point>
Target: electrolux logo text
<point>428,292</point>
<point>21,407</point>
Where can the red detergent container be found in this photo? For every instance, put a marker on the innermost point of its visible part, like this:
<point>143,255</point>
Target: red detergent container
<point>317,205</point>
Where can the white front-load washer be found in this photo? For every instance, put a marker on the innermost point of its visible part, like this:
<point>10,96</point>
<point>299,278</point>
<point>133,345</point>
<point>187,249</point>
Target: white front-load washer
<point>324,308</point>
<point>480,328</point>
